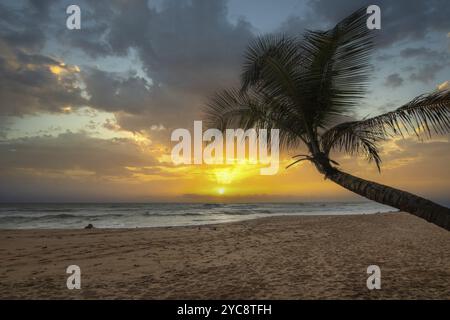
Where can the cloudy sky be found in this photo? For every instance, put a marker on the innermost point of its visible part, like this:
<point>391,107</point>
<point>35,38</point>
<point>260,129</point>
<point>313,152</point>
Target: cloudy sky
<point>86,115</point>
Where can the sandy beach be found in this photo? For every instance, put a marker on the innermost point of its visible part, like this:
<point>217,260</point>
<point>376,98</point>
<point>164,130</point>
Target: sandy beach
<point>296,257</point>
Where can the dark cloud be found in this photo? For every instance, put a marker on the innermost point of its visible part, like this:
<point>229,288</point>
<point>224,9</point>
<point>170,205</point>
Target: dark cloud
<point>426,73</point>
<point>385,57</point>
<point>394,81</point>
<point>296,26</point>
<point>114,92</point>
<point>401,20</point>
<point>424,53</point>
<point>186,44</point>
<point>24,24</point>
<point>188,49</point>
<point>27,84</point>
<point>139,104</point>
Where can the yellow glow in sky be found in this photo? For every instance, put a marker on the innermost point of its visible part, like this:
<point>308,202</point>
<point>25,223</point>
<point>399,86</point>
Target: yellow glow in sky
<point>56,69</point>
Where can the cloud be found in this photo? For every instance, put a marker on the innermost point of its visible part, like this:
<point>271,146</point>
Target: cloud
<point>188,50</point>
<point>75,152</point>
<point>426,73</point>
<point>385,57</point>
<point>401,20</point>
<point>114,92</point>
<point>424,53</point>
<point>23,27</point>
<point>411,155</point>
<point>444,85</point>
<point>4,127</point>
<point>187,45</point>
<point>31,83</point>
<point>394,81</point>
<point>296,26</point>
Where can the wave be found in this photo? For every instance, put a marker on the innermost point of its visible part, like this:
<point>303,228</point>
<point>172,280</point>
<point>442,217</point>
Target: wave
<point>53,217</point>
<point>165,214</point>
<point>160,214</point>
<point>245,212</point>
<point>211,205</point>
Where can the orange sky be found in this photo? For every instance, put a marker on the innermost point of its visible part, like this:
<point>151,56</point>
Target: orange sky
<point>139,170</point>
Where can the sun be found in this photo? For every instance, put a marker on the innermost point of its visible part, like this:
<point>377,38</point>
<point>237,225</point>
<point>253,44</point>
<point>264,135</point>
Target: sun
<point>225,175</point>
<point>221,191</point>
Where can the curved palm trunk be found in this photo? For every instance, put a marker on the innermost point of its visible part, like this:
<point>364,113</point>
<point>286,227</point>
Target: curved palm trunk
<point>405,201</point>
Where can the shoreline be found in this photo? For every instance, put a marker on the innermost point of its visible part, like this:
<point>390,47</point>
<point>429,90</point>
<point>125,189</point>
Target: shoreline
<point>200,224</point>
<point>282,257</point>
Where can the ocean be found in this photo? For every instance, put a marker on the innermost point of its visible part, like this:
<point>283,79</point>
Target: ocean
<point>137,215</point>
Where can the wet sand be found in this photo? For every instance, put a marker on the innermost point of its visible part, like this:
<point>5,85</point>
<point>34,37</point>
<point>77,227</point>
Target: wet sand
<point>316,257</point>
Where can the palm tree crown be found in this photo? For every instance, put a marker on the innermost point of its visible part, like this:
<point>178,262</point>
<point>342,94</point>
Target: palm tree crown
<point>304,86</point>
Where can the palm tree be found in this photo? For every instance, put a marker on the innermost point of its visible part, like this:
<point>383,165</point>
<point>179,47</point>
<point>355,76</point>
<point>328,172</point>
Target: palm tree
<point>305,86</point>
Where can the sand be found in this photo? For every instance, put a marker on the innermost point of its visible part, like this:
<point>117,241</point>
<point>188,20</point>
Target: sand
<point>320,257</point>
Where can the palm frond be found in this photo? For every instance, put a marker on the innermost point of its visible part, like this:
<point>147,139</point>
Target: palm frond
<point>259,53</point>
<point>273,68</point>
<point>339,65</point>
<point>237,109</point>
<point>351,138</point>
<point>426,113</point>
